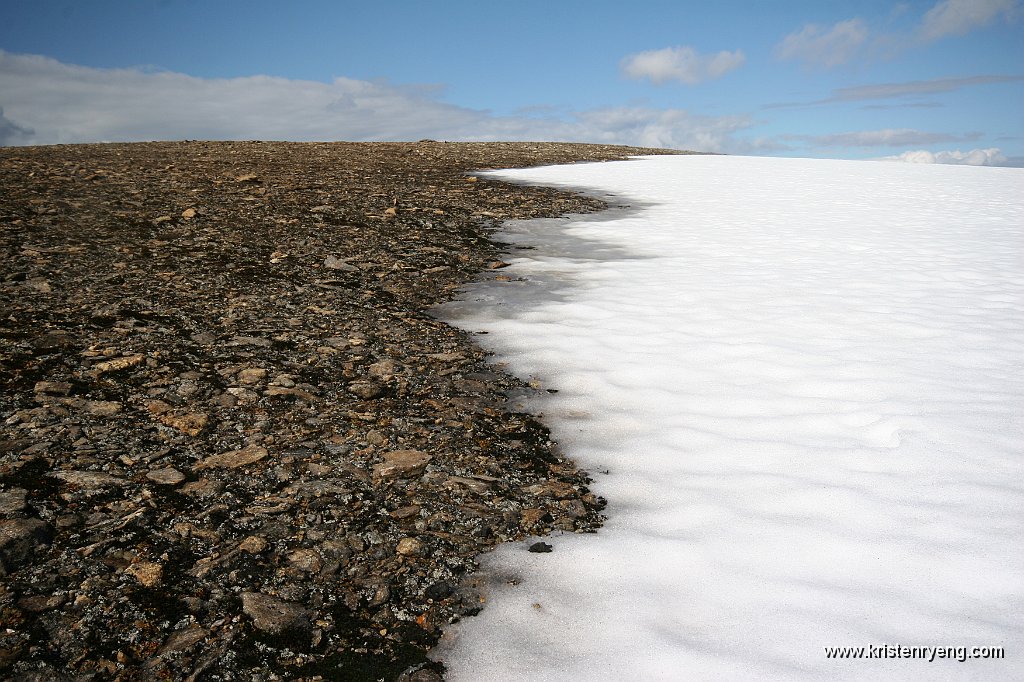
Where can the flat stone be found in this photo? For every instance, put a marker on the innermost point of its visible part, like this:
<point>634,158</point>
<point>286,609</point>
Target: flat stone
<point>365,389</point>
<point>253,544</point>
<point>383,369</point>
<point>296,393</point>
<point>338,264</point>
<point>183,639</point>
<point>233,459</point>
<point>102,408</point>
<point>20,538</point>
<point>117,364</point>
<point>40,602</point>
<point>274,615</point>
<point>191,424</point>
<point>308,560</point>
<point>89,479</point>
<point>478,487</point>
<point>529,517</point>
<point>401,463</point>
<point>252,375</point>
<point>13,501</point>
<point>250,341</point>
<point>52,387</point>
<point>165,476</point>
<point>148,573</point>
<point>204,487</point>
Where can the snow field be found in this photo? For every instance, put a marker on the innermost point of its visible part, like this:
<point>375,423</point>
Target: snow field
<point>805,380</point>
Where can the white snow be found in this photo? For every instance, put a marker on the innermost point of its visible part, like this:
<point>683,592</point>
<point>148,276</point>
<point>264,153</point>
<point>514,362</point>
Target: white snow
<point>806,381</point>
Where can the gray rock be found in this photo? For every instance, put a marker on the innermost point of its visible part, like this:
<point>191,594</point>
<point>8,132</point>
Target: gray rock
<point>13,501</point>
<point>366,390</point>
<point>89,479</point>
<point>19,538</point>
<point>274,615</point>
<point>53,387</point>
<point>165,476</point>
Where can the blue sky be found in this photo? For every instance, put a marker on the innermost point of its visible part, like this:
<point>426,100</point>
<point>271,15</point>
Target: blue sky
<point>936,80</point>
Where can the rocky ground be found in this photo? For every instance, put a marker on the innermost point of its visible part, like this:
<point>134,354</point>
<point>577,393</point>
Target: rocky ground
<point>234,444</point>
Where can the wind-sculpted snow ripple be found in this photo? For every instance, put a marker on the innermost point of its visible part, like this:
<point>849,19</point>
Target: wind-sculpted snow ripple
<point>799,385</point>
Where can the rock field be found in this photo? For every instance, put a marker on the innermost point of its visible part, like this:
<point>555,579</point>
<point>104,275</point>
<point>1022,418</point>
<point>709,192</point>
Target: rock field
<point>234,444</point>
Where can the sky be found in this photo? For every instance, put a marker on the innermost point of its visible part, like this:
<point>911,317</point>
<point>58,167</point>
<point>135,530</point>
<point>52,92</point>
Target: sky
<point>927,81</point>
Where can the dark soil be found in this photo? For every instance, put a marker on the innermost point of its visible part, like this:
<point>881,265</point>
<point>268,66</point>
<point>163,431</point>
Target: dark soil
<point>234,444</point>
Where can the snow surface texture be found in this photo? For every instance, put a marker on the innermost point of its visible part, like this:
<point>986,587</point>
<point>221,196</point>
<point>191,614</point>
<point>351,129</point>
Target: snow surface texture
<point>804,379</point>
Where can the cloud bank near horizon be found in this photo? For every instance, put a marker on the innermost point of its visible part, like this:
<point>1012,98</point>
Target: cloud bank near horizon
<point>49,102</point>
<point>974,157</point>
<point>44,101</point>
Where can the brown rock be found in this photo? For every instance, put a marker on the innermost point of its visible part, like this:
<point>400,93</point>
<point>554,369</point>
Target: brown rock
<point>188,213</point>
<point>53,387</point>
<point>253,544</point>
<point>165,476</point>
<point>383,369</point>
<point>529,517</point>
<point>557,489</point>
<point>40,602</point>
<point>366,390</point>
<point>308,560</point>
<point>183,639</point>
<point>252,375</point>
<point>401,463</point>
<point>148,573</point>
<point>89,479</point>
<point>191,424</point>
<point>13,501</point>
<point>296,393</point>
<point>409,546</point>
<point>202,488</point>
<point>117,364</point>
<point>233,459</point>
<point>102,408</point>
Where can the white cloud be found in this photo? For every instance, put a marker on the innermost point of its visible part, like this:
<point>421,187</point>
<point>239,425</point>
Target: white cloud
<point>887,137</point>
<point>975,157</point>
<point>48,102</point>
<point>827,47</point>
<point>824,47</point>
<point>681,64</point>
<point>957,17</point>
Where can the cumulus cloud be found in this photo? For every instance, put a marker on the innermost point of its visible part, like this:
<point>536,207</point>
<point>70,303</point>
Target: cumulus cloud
<point>682,64</point>
<point>975,157</point>
<point>888,137</point>
<point>823,46</point>
<point>957,17</point>
<point>52,102</point>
